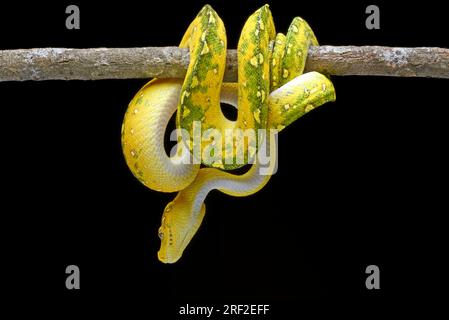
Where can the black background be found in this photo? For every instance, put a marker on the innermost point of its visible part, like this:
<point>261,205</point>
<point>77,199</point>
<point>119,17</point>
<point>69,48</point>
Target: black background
<point>361,181</point>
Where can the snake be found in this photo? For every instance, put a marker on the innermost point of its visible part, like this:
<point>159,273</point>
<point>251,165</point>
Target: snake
<point>272,92</point>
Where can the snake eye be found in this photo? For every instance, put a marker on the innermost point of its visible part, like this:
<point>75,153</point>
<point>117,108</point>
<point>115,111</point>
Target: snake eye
<point>160,233</point>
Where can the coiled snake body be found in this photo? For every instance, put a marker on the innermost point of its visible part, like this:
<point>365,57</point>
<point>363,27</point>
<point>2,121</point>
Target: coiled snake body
<point>271,93</point>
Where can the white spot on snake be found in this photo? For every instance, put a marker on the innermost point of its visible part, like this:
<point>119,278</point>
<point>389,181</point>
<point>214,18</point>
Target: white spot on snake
<point>205,49</point>
<point>260,58</point>
<point>194,82</point>
<point>185,94</point>
<point>295,29</point>
<point>135,111</point>
<point>131,131</point>
<point>287,106</point>
<point>273,62</point>
<point>203,36</point>
<point>285,74</point>
<point>256,33</point>
<point>133,153</point>
<point>211,18</point>
<point>261,25</point>
<point>308,108</point>
<point>257,115</point>
<point>306,92</point>
<point>215,71</point>
<point>323,87</point>
<point>253,61</point>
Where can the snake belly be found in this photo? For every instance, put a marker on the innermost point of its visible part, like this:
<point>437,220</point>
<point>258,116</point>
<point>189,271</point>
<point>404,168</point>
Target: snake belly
<point>271,93</point>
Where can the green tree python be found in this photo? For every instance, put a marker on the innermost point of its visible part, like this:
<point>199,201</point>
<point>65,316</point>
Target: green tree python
<point>271,93</point>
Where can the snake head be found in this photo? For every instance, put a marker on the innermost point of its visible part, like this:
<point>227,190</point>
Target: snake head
<point>179,224</point>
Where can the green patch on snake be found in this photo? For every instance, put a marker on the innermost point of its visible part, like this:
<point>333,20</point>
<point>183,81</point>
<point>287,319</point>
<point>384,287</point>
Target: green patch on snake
<point>308,100</point>
<point>204,58</point>
<point>200,71</point>
<point>255,87</point>
<point>205,63</point>
<point>290,60</point>
<point>211,34</point>
<point>206,7</point>
<point>256,35</point>
<point>190,114</point>
<point>243,47</point>
<point>203,89</point>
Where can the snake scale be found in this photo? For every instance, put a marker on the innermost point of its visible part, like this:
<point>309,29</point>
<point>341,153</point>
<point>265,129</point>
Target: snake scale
<point>271,93</point>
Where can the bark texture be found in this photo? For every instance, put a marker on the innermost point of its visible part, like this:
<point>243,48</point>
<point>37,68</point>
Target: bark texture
<point>171,62</point>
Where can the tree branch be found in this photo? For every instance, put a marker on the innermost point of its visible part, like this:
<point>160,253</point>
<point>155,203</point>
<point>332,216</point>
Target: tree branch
<point>172,62</point>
